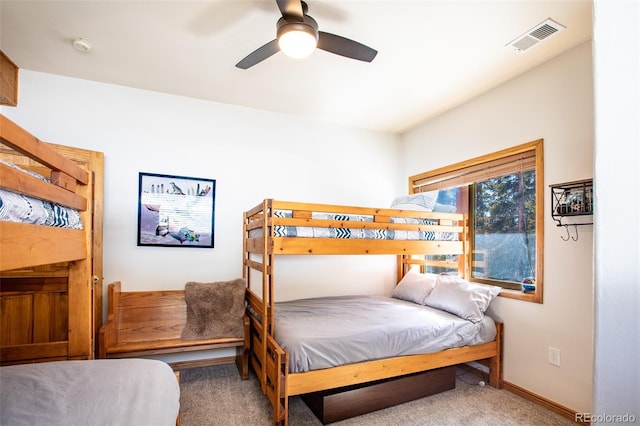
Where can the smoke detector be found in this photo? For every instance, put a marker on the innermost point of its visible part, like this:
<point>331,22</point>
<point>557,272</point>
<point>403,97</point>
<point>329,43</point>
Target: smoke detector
<point>535,35</point>
<point>81,45</point>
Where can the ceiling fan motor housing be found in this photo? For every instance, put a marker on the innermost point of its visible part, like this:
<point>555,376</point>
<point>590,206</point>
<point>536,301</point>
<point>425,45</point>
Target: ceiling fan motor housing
<point>308,25</point>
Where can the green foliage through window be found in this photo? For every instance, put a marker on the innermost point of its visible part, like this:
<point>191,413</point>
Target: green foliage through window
<point>504,227</point>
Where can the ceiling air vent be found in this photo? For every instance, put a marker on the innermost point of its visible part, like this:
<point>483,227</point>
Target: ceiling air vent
<point>535,35</point>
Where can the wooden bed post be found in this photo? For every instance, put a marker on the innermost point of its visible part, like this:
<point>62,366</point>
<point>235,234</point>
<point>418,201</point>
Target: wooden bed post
<point>402,267</point>
<point>465,260</point>
<point>277,371</point>
<point>80,285</point>
<point>495,363</point>
<point>245,253</point>
<point>266,290</point>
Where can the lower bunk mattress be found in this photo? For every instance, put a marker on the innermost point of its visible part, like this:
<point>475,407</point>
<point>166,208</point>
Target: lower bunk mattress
<point>93,392</point>
<point>332,331</point>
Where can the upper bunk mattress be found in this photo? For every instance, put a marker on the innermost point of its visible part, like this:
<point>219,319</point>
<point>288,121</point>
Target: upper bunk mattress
<point>20,208</point>
<point>96,392</point>
<point>356,232</point>
<point>331,331</point>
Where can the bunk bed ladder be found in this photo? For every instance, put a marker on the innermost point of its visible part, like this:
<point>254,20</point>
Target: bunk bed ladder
<point>277,367</point>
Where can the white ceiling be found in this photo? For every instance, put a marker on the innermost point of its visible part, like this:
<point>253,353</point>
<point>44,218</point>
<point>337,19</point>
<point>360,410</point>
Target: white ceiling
<point>433,55</point>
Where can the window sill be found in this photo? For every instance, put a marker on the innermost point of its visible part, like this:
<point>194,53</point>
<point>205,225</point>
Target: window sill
<point>519,295</point>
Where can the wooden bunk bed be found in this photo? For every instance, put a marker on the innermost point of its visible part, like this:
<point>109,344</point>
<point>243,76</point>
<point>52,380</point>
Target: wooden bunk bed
<point>264,240</point>
<point>51,301</point>
<point>50,277</point>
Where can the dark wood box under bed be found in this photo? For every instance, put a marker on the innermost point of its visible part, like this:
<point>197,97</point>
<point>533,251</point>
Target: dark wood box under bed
<point>334,405</point>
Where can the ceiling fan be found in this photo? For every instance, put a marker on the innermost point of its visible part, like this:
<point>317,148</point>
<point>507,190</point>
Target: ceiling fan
<point>298,36</point>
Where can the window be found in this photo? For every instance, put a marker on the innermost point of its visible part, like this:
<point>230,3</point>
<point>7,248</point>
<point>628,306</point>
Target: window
<point>502,194</point>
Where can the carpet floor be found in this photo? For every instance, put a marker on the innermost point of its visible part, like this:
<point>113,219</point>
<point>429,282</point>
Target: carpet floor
<point>217,396</point>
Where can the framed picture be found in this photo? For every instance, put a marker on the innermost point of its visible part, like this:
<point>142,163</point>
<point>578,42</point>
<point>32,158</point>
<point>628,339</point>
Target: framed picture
<point>175,211</point>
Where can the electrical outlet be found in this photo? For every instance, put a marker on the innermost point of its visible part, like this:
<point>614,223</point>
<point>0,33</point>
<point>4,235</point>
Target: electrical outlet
<point>554,356</point>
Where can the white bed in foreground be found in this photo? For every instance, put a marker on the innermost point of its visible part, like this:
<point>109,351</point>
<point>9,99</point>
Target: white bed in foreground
<point>91,392</point>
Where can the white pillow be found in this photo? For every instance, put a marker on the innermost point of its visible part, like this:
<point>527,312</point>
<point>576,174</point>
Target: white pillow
<point>414,287</point>
<point>423,201</point>
<point>462,298</point>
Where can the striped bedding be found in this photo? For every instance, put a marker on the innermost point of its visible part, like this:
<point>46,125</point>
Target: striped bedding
<point>356,233</point>
<point>16,207</point>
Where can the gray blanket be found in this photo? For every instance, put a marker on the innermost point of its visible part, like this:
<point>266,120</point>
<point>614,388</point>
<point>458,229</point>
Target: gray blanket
<point>331,331</point>
<point>99,392</point>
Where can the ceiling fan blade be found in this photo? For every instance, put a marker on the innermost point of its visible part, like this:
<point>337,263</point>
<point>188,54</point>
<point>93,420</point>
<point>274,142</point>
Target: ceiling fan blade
<point>259,55</point>
<point>345,47</point>
<point>291,9</point>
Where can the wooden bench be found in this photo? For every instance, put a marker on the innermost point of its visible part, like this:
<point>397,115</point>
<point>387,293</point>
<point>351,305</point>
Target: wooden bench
<point>141,323</point>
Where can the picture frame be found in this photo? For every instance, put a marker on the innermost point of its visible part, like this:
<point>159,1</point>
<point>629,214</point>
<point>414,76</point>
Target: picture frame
<point>175,211</point>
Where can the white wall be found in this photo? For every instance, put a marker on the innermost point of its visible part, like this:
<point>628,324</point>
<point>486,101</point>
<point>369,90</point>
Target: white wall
<point>251,154</point>
<point>145,131</point>
<point>617,234</point>
<point>553,102</point>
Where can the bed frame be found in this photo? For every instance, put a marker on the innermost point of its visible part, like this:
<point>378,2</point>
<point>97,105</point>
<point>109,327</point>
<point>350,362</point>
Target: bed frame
<point>50,278</point>
<point>270,361</point>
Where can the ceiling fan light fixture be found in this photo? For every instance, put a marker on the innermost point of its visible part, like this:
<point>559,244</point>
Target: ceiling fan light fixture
<point>298,36</point>
<point>297,40</point>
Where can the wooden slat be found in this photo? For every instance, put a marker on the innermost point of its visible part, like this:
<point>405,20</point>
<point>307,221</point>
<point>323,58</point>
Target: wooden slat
<point>34,284</point>
<point>147,316</point>
<point>257,210</point>
<point>22,141</point>
<point>23,183</point>
<point>42,316</point>
<point>63,181</point>
<point>254,245</point>
<point>157,347</point>
<point>362,246</point>
<point>60,321</point>
<point>33,352</point>
<point>28,245</point>
<point>255,223</point>
<point>16,315</point>
<point>254,265</point>
<point>338,224</point>
<point>356,210</point>
<point>255,302</point>
<point>53,270</point>
<point>440,263</point>
<point>312,381</point>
